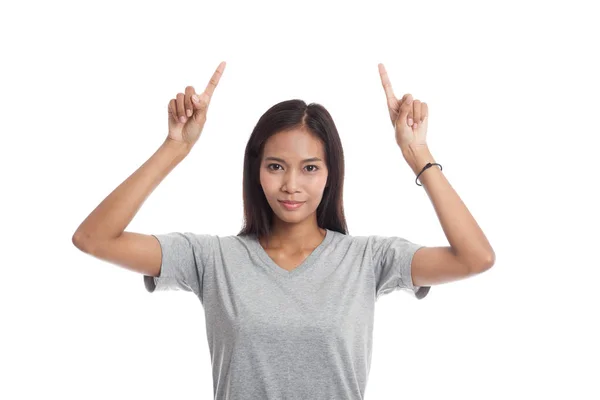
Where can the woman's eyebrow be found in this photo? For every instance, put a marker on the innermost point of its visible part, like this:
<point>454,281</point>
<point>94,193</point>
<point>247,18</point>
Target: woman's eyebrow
<point>282,161</point>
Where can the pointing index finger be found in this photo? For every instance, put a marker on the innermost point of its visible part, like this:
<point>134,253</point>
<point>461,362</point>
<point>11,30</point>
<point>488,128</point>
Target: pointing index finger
<point>385,81</point>
<point>214,80</point>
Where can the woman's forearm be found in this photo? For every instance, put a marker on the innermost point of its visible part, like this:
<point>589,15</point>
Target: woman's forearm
<point>115,212</point>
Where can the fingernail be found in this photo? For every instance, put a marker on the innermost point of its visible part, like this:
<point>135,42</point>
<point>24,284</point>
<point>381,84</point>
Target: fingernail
<point>189,113</point>
<point>410,122</point>
<point>195,98</point>
<point>182,119</point>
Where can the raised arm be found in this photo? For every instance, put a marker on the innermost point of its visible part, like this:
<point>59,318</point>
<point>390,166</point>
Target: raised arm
<point>102,233</point>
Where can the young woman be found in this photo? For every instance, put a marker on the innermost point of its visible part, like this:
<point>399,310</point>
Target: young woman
<point>289,301</point>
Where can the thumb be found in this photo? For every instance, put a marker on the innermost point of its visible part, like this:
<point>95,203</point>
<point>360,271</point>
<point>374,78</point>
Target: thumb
<point>200,104</point>
<point>405,111</point>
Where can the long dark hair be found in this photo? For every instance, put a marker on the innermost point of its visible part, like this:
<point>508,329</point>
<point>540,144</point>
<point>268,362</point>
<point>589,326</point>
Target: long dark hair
<point>283,116</point>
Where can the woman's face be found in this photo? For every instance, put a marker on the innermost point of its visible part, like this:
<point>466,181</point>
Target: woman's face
<point>286,175</point>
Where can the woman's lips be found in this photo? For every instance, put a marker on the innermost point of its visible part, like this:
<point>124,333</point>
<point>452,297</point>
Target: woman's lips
<point>291,206</point>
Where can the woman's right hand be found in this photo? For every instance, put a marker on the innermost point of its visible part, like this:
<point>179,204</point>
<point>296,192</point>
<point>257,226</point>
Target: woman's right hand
<point>187,116</point>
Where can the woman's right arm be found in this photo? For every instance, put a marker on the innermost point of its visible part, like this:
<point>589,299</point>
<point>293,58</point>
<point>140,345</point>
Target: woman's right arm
<point>102,234</point>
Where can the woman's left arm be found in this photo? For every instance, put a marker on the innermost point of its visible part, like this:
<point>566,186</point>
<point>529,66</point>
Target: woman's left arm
<point>469,252</point>
<point>464,234</point>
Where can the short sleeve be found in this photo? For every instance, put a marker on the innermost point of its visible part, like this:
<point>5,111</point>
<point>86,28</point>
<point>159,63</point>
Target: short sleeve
<point>184,258</point>
<point>392,258</point>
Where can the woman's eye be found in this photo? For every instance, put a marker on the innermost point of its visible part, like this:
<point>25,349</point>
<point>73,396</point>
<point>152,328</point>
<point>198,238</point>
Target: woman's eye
<point>313,170</point>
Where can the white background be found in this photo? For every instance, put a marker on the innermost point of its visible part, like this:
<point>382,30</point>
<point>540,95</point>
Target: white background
<point>512,94</point>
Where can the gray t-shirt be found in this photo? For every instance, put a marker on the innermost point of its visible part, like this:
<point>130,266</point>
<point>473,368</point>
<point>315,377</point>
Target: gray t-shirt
<point>278,334</point>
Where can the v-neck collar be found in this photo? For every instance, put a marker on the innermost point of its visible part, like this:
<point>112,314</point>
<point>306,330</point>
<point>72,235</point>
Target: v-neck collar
<point>307,263</point>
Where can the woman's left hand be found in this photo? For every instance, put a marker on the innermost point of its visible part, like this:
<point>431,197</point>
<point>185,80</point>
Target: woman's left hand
<point>409,117</point>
